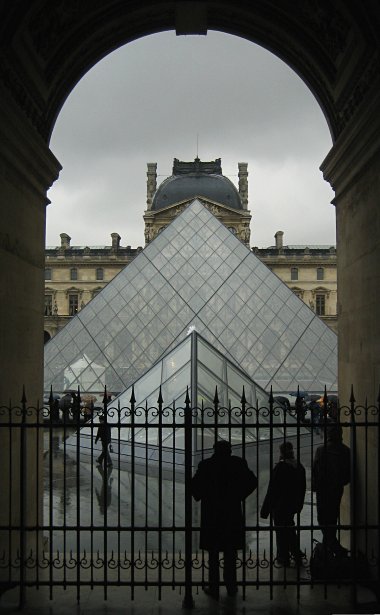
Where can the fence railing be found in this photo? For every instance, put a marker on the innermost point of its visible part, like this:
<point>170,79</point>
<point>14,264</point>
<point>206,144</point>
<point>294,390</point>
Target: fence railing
<point>68,521</point>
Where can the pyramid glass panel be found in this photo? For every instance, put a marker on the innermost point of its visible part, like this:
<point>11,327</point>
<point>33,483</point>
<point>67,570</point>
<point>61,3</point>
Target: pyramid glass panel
<point>189,277</point>
<point>193,367</point>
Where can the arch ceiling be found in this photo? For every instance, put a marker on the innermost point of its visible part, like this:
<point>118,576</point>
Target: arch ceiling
<point>46,47</point>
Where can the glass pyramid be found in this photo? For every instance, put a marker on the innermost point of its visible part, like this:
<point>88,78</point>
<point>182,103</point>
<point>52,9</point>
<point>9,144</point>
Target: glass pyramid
<point>195,273</point>
<point>193,366</point>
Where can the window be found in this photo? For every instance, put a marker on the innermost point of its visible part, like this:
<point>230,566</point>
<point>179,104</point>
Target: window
<point>294,273</point>
<point>73,273</point>
<point>73,304</point>
<point>320,305</point>
<point>99,273</point>
<point>47,273</point>
<point>48,305</point>
<point>320,273</point>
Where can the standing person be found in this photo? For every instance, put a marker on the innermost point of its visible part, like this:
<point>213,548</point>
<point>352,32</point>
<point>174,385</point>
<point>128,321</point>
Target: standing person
<point>300,406</point>
<point>104,434</point>
<point>221,483</point>
<point>331,472</point>
<point>65,404</point>
<point>284,498</point>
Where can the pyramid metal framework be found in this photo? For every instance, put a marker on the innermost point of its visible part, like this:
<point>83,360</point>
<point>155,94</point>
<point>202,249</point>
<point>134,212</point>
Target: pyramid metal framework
<point>195,273</point>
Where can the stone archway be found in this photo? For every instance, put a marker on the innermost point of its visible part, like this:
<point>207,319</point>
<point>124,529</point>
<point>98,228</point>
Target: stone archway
<point>47,47</point>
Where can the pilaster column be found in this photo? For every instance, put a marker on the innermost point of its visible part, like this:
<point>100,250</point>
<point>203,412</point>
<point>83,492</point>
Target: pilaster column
<point>353,169</point>
<point>27,170</point>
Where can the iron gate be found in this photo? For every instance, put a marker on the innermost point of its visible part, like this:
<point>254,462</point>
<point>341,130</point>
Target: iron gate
<point>68,522</point>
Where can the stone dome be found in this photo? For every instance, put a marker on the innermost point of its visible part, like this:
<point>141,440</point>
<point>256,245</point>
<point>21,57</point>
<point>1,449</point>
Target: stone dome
<point>196,179</point>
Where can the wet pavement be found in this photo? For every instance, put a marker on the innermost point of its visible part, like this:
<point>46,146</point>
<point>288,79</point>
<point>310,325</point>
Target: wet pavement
<point>90,511</point>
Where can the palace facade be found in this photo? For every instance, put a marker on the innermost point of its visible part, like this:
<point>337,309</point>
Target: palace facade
<point>75,274</point>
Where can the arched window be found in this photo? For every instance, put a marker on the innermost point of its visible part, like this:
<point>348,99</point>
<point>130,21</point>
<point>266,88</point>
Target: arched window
<point>73,273</point>
<point>294,273</point>
<point>99,273</point>
<point>73,304</point>
<point>320,304</point>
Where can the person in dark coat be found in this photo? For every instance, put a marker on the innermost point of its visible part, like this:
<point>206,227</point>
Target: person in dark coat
<point>331,472</point>
<point>104,434</point>
<point>284,498</point>
<point>221,483</point>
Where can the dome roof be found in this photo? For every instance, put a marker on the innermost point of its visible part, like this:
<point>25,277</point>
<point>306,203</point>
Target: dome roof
<point>192,179</point>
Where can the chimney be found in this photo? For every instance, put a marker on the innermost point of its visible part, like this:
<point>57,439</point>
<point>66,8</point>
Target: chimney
<point>151,183</point>
<point>65,241</point>
<point>115,241</point>
<point>243,183</point>
<point>279,240</point>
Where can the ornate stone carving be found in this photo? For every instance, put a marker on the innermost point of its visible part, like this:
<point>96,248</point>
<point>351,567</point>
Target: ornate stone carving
<point>13,83</point>
<point>362,86</point>
<point>48,23</point>
<point>328,25</point>
<point>213,208</point>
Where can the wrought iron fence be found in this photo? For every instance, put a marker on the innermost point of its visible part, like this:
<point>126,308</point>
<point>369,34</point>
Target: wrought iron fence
<point>67,521</point>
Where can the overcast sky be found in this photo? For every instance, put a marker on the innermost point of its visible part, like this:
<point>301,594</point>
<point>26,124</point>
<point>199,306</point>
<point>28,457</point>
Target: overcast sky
<point>148,101</point>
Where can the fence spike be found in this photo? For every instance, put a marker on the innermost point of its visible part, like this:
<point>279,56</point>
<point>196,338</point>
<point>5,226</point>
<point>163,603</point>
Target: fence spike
<point>378,396</point>
<point>352,396</point>
<point>216,398</point>
<point>243,398</point>
<point>160,398</point>
<point>133,398</point>
<point>51,399</point>
<point>105,397</point>
<point>271,398</point>
<point>187,398</point>
<point>23,398</point>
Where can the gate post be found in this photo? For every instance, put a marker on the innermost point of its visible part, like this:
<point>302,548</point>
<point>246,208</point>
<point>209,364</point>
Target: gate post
<point>23,502</point>
<point>188,601</point>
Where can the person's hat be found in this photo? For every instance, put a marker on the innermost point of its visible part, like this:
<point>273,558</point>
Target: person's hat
<point>223,447</point>
<point>334,433</point>
<point>286,450</point>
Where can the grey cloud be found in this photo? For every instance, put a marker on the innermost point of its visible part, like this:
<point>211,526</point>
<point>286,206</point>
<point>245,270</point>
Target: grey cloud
<point>150,99</point>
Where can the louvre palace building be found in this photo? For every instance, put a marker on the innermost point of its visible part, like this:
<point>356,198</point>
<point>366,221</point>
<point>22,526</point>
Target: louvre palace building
<point>113,312</point>
<point>75,274</point>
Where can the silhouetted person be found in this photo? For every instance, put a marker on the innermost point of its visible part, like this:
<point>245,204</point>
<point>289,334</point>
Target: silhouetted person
<point>75,407</point>
<point>221,483</point>
<point>54,411</point>
<point>104,434</point>
<point>331,472</point>
<point>284,499</point>
<point>300,406</point>
<point>65,405</point>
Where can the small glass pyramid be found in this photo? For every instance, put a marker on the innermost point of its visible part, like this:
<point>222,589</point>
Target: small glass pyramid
<point>195,368</point>
<point>195,273</point>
